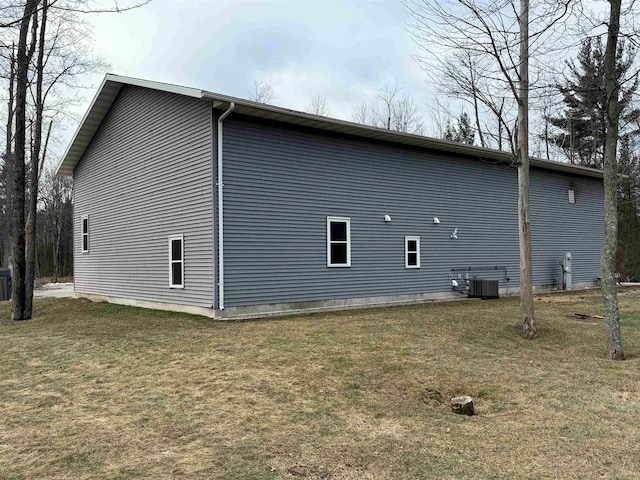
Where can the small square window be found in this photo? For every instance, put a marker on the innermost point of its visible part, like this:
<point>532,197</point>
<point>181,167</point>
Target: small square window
<point>412,252</point>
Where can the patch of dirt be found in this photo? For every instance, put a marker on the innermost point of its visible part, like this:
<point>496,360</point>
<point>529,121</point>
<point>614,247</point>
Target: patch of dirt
<point>589,321</point>
<point>430,395</point>
<point>629,292</point>
<point>562,299</point>
<point>623,291</point>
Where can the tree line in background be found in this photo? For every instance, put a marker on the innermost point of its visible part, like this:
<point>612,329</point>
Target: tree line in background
<point>54,226</point>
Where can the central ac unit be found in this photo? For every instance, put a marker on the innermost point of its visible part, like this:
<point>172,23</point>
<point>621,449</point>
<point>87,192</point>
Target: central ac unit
<point>484,289</point>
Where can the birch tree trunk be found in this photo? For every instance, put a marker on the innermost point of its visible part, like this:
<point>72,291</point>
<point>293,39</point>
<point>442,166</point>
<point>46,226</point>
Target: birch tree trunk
<point>529,329</point>
<point>609,286</point>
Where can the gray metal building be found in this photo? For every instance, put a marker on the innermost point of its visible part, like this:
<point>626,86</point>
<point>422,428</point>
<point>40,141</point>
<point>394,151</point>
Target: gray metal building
<point>192,201</point>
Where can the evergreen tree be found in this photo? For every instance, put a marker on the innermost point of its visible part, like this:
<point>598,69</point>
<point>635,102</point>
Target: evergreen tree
<point>582,125</point>
<point>462,132</point>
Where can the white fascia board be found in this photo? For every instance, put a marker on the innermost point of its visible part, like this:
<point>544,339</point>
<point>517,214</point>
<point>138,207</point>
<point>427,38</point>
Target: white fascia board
<point>164,87</point>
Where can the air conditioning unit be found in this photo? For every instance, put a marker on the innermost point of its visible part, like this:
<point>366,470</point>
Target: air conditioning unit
<point>484,289</point>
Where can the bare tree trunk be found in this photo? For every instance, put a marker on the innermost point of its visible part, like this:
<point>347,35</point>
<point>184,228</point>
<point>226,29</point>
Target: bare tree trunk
<point>35,169</point>
<point>18,221</point>
<point>8,227</point>
<point>477,118</point>
<point>56,254</point>
<point>58,222</point>
<point>529,329</point>
<point>609,287</point>
<point>546,136</point>
<point>500,126</point>
<point>476,109</point>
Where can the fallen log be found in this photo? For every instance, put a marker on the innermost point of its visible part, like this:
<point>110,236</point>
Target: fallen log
<point>584,316</point>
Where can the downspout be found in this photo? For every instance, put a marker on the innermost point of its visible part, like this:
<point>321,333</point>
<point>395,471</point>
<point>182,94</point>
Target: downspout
<point>220,185</point>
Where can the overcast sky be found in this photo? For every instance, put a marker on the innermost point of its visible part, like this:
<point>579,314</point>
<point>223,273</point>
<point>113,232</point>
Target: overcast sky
<point>342,50</point>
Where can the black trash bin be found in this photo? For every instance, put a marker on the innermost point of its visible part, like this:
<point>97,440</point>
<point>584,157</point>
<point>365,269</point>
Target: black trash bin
<point>5,284</point>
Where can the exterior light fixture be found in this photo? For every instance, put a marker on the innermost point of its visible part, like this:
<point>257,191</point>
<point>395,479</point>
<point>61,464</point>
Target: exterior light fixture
<point>436,220</point>
<point>387,218</point>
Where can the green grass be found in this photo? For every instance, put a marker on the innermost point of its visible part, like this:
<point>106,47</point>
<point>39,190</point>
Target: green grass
<point>105,391</point>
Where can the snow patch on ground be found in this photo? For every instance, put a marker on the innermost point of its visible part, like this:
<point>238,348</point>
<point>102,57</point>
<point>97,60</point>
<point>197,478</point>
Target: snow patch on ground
<point>54,290</point>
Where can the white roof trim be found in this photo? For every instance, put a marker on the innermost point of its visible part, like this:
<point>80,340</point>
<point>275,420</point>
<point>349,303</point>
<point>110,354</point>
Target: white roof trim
<point>165,87</point>
<point>112,84</point>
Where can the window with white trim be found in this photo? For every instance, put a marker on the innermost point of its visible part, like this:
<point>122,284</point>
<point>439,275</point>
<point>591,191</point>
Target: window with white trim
<point>338,242</point>
<point>176,261</point>
<point>572,194</point>
<point>85,234</point>
<point>412,252</point>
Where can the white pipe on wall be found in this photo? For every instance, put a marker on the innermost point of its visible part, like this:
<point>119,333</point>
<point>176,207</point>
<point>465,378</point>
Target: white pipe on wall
<point>220,185</point>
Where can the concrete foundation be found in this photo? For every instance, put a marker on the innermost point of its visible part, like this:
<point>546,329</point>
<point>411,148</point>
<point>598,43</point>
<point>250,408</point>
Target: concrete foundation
<point>171,307</point>
<point>297,308</point>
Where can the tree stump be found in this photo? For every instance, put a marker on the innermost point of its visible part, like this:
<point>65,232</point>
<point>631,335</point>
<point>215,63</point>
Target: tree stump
<point>463,405</point>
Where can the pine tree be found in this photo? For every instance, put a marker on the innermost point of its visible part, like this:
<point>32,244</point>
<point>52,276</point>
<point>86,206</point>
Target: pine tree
<point>582,125</point>
<point>462,132</point>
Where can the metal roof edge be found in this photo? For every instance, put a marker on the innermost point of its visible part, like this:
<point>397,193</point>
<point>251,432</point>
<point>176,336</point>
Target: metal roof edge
<point>352,128</point>
<point>77,146</point>
<point>165,87</point>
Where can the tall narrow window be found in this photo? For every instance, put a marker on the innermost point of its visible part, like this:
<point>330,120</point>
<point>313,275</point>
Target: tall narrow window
<point>412,252</point>
<point>176,261</point>
<point>85,234</point>
<point>338,242</point>
<point>572,194</point>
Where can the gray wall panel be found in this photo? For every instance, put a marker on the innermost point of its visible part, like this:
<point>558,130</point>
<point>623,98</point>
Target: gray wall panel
<point>281,182</point>
<point>147,174</point>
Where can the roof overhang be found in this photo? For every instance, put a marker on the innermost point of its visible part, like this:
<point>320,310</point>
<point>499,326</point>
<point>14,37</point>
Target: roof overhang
<point>112,84</point>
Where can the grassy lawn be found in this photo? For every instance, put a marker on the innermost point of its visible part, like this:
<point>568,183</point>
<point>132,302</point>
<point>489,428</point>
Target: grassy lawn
<point>105,391</point>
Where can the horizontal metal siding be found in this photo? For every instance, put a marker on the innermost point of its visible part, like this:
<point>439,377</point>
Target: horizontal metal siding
<point>147,174</point>
<point>281,182</point>
<point>559,227</point>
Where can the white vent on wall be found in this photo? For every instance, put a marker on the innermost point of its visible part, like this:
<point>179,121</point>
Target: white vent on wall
<point>572,195</point>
